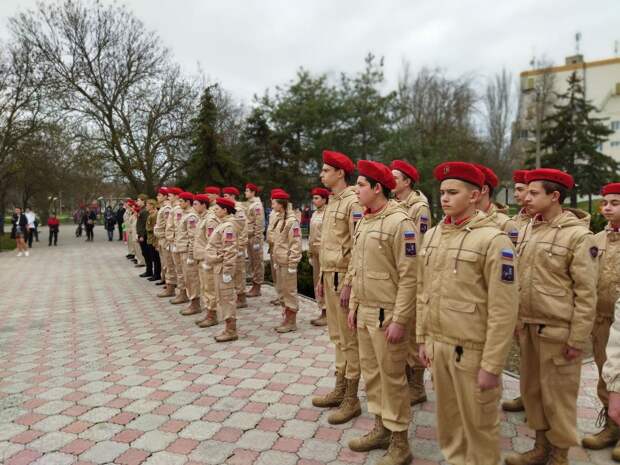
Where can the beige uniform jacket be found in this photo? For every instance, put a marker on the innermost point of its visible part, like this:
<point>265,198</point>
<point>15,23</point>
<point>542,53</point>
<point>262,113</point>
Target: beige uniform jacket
<point>314,236</point>
<point>467,289</point>
<point>521,219</point>
<point>611,369</point>
<point>384,266</point>
<point>206,225</point>
<point>256,220</point>
<point>241,222</point>
<point>222,248</point>
<point>160,224</point>
<point>416,205</point>
<point>342,214</point>
<point>171,224</point>
<point>185,228</point>
<point>498,213</point>
<point>558,272</point>
<point>287,240</point>
<point>608,292</point>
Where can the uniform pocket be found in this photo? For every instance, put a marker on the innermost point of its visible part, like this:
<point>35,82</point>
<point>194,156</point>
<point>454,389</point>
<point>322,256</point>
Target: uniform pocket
<point>487,406</point>
<point>565,371</point>
<point>396,358</point>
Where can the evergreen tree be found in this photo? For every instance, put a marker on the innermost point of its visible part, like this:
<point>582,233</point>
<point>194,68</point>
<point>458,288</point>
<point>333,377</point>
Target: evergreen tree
<point>211,160</point>
<point>572,140</point>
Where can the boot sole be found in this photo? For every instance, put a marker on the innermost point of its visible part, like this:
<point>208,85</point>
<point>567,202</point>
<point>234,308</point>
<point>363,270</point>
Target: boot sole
<point>226,340</point>
<point>318,404</point>
<point>205,325</point>
<point>340,421</point>
<point>190,313</point>
<point>419,400</point>
<point>598,446</point>
<point>285,330</point>
<point>179,303</point>
<point>512,409</point>
<point>406,461</point>
<point>382,446</point>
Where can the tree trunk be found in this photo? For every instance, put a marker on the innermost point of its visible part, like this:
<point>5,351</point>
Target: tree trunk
<point>573,199</point>
<point>590,203</point>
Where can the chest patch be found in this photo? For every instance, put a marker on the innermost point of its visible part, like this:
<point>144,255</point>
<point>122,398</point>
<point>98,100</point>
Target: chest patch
<point>508,273</point>
<point>410,250</point>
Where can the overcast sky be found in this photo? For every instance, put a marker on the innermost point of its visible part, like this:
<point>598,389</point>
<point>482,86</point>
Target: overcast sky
<point>254,44</point>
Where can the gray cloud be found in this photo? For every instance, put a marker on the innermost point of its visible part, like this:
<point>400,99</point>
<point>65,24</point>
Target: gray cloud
<point>251,45</point>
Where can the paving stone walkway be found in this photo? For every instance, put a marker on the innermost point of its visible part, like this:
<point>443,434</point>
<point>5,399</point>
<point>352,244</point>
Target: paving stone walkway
<point>95,369</point>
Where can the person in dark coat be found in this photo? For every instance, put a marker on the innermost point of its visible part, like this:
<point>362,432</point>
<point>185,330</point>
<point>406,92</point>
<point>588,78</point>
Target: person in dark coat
<point>120,219</point>
<point>53,225</point>
<point>19,231</point>
<point>89,219</point>
<point>109,221</point>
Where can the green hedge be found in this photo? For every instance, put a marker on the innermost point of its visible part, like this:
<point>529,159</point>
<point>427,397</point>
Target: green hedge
<point>305,285</point>
<point>6,243</point>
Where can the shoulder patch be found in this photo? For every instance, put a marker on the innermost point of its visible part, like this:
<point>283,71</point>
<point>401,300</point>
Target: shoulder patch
<point>410,250</point>
<point>508,254</point>
<point>508,273</point>
<point>209,231</point>
<point>513,233</point>
<point>594,251</point>
<point>357,215</point>
<point>166,213</point>
<point>423,219</point>
<point>409,235</point>
<point>296,231</point>
<point>179,215</point>
<point>229,236</point>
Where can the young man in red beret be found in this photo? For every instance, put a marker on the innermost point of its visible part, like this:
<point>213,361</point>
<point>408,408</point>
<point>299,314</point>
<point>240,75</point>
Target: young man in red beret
<point>520,219</point>
<point>159,231</point>
<point>341,217</point>
<point>320,197</point>
<point>558,262</point>
<point>608,292</point>
<point>256,234</point>
<point>187,236</point>
<point>467,305</point>
<point>495,210</point>
<point>416,205</point>
<point>241,220</point>
<point>384,270</point>
<point>179,246</point>
<point>221,255</point>
<point>169,231</point>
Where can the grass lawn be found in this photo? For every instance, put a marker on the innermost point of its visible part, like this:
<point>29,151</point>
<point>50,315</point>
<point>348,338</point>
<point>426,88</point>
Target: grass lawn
<point>6,243</point>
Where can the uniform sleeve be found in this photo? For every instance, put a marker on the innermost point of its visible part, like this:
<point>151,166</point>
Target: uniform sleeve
<point>243,235</point>
<point>356,213</point>
<point>405,259</point>
<point>584,272</point>
<point>170,226</point>
<point>421,302</point>
<point>422,220</point>
<point>502,303</point>
<point>259,222</point>
<point>160,224</point>
<point>192,230</point>
<point>294,245</point>
<point>611,369</point>
<point>512,229</point>
<point>230,248</point>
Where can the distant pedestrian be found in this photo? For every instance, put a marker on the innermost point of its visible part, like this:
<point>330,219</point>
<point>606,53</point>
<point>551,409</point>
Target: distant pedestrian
<point>31,228</point>
<point>88,219</point>
<point>53,225</point>
<point>19,231</point>
<point>120,219</point>
<point>109,221</point>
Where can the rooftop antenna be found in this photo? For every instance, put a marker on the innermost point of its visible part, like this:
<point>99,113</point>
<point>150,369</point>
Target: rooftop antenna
<point>577,42</point>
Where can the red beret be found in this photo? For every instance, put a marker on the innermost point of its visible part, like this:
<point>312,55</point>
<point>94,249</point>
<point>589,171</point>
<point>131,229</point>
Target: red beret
<point>276,189</point>
<point>338,160</point>
<point>407,169</point>
<point>213,190</point>
<point>203,198</point>
<point>377,171</point>
<point>490,177</point>
<point>174,190</point>
<point>187,196</point>
<point>518,176</point>
<point>613,188</point>
<point>320,191</point>
<point>130,202</point>
<point>162,190</point>
<point>459,170</point>
<point>252,187</point>
<point>550,174</point>
<point>280,194</point>
<point>224,202</point>
<point>230,191</point>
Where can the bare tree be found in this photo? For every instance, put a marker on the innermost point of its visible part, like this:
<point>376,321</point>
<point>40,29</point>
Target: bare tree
<point>115,77</point>
<point>499,108</point>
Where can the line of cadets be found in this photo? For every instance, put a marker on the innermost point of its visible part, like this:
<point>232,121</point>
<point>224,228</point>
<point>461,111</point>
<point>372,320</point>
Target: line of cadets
<point>399,296</point>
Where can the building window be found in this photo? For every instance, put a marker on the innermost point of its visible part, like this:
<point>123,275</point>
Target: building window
<point>615,143</point>
<point>615,125</point>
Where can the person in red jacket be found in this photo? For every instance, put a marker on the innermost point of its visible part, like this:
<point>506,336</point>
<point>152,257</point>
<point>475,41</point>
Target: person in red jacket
<point>54,226</point>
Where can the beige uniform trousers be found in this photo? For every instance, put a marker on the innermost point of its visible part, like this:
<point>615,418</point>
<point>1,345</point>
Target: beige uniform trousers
<point>226,298</point>
<point>162,260</point>
<point>178,267</point>
<point>549,383</point>
<point>316,275</point>
<point>383,368</point>
<point>274,276</point>
<point>345,340</point>
<point>192,280</point>
<point>257,267</point>
<point>168,264</point>
<point>600,336</point>
<point>467,418</point>
<point>239,278</point>
<point>207,287</point>
<point>286,285</point>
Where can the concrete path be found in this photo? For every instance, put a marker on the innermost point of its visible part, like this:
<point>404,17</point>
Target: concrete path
<point>95,369</point>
